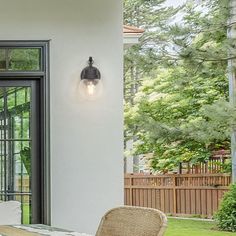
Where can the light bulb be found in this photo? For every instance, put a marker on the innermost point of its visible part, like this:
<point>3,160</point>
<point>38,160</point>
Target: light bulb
<point>90,89</point>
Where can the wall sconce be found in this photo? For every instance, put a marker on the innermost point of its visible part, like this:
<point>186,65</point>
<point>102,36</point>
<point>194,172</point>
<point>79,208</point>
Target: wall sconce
<point>90,84</point>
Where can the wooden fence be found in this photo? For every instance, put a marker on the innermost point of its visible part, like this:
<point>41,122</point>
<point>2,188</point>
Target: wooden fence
<point>177,194</point>
<point>212,166</point>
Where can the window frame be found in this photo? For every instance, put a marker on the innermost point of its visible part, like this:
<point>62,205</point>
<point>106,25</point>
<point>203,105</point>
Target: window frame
<point>43,76</point>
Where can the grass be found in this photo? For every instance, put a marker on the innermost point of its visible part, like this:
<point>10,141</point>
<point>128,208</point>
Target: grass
<point>179,227</point>
<point>26,213</point>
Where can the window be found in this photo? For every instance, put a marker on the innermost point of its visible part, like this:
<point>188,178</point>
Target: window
<point>20,59</point>
<point>24,128</point>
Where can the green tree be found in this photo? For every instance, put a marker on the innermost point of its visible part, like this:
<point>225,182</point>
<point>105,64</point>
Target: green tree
<point>179,122</point>
<point>181,112</point>
<point>152,16</point>
<point>140,59</point>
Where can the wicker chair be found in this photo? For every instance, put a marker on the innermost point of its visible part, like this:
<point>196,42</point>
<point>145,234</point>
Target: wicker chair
<point>132,221</point>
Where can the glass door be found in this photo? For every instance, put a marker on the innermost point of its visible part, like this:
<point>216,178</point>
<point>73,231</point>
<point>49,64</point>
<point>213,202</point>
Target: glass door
<point>20,164</point>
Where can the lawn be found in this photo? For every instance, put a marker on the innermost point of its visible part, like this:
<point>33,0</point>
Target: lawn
<point>26,210</point>
<point>178,227</point>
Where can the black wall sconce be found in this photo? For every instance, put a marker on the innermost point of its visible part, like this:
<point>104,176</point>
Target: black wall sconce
<point>90,80</point>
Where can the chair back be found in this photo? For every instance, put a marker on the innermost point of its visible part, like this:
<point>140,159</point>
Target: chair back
<point>132,221</point>
<point>10,213</point>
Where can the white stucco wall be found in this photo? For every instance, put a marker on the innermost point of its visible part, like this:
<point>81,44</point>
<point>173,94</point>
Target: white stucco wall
<point>86,137</point>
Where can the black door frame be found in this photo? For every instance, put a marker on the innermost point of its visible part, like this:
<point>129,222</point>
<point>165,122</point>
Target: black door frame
<point>44,84</point>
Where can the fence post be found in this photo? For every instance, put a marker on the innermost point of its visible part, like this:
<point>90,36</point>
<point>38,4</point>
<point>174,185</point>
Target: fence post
<point>131,190</point>
<point>174,195</point>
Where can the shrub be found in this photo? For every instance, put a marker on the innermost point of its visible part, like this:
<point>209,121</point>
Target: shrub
<point>226,215</point>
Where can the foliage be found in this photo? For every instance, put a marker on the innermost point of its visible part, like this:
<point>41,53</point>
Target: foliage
<point>25,155</point>
<point>17,103</point>
<point>20,59</point>
<point>226,215</point>
<point>180,123</point>
<point>152,16</point>
<point>181,110</point>
<point>24,59</point>
<point>226,166</point>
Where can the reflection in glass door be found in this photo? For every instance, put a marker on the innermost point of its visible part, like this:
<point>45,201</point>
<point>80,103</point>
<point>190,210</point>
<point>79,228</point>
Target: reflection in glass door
<point>19,147</point>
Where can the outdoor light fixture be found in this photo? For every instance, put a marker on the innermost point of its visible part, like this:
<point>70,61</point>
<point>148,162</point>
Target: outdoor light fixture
<point>90,84</point>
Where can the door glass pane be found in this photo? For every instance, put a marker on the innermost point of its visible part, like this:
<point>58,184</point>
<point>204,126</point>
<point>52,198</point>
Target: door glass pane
<point>15,147</point>
<point>24,59</point>
<point>3,62</point>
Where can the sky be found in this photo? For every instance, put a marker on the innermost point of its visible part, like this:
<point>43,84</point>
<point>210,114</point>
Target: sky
<point>174,2</point>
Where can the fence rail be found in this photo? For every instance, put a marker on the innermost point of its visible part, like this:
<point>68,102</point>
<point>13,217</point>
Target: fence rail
<point>177,194</point>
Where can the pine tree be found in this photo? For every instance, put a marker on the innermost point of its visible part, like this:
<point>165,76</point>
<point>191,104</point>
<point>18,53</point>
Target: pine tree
<point>181,112</point>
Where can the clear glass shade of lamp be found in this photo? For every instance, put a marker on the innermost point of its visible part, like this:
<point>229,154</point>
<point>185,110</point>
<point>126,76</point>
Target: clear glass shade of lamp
<point>90,86</point>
